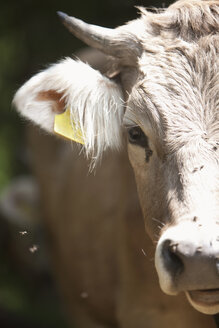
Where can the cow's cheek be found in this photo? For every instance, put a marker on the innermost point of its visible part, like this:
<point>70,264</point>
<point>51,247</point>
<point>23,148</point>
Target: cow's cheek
<point>149,182</point>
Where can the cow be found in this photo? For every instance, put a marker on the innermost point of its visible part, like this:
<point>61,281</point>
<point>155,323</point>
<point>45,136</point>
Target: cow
<point>160,96</point>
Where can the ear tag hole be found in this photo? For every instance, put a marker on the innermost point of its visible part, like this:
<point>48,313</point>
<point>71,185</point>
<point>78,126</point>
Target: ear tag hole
<point>66,127</point>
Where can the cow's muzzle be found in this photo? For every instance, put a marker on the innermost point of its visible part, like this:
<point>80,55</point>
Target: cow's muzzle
<point>187,259</point>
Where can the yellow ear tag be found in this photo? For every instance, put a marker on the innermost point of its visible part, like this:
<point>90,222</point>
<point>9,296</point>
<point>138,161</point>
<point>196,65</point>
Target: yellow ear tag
<point>65,127</point>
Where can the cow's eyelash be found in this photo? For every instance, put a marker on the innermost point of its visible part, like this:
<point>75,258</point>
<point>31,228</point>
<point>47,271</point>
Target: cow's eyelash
<point>128,123</point>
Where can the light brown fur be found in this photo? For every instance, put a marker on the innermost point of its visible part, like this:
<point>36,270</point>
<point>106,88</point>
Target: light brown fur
<point>98,243</point>
<point>97,236</point>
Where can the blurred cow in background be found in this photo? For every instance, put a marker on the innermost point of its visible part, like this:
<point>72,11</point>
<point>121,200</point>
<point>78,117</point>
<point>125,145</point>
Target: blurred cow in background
<point>161,87</point>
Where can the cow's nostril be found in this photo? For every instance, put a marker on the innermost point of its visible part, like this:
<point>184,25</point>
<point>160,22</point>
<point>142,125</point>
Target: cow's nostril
<point>172,261</point>
<point>184,263</point>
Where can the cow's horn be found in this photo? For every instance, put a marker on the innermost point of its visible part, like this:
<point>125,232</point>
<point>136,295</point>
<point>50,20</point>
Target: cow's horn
<point>114,42</point>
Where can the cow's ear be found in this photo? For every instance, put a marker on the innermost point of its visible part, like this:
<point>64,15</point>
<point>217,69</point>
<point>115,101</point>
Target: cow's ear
<point>95,102</point>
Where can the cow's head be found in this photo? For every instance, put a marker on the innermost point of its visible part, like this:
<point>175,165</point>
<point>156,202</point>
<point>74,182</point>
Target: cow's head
<point>167,97</point>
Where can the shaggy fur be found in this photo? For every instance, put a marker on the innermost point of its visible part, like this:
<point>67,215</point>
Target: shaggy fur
<point>169,82</point>
<point>95,103</point>
<point>177,47</point>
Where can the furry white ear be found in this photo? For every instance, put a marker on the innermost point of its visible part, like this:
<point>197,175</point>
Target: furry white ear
<point>95,102</point>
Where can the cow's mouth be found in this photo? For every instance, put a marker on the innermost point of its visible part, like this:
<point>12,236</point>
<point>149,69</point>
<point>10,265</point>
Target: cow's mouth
<point>206,301</point>
<point>205,297</point>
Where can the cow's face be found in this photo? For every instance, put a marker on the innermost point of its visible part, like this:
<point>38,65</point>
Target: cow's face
<point>173,143</point>
<point>168,90</point>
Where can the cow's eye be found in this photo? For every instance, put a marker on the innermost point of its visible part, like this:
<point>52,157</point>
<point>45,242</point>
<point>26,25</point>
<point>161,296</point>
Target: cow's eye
<point>136,136</point>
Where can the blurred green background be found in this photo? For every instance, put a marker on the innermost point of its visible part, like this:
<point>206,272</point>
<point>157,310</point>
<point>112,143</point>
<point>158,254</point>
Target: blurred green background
<point>31,37</point>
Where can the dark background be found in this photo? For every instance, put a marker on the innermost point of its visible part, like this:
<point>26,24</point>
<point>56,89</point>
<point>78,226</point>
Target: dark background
<point>31,37</point>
